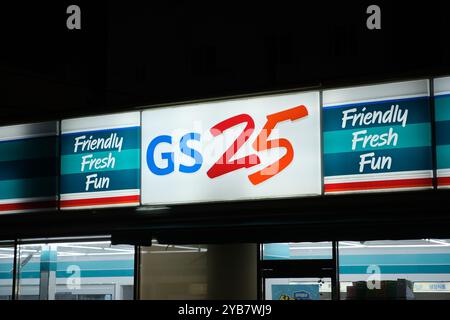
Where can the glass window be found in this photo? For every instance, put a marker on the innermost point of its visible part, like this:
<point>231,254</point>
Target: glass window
<point>407,269</point>
<point>6,270</point>
<point>298,251</point>
<point>173,272</point>
<point>91,270</point>
<point>192,272</point>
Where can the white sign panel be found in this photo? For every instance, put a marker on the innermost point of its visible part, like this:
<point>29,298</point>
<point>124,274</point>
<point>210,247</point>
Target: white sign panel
<point>255,148</point>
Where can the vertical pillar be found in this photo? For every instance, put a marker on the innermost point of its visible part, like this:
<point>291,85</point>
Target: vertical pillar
<point>232,272</point>
<point>47,283</point>
<point>335,281</point>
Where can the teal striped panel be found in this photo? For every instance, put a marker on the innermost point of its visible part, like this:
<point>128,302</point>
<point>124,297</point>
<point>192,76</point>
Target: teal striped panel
<point>91,265</point>
<point>124,160</point>
<point>380,259</point>
<point>28,149</point>
<point>413,135</point>
<point>396,259</point>
<point>84,274</point>
<point>97,265</point>
<point>6,267</point>
<point>406,269</point>
<point>443,156</point>
<point>98,273</point>
<point>442,108</point>
<point>28,188</point>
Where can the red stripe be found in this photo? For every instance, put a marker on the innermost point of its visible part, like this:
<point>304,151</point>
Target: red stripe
<point>52,204</point>
<point>444,181</point>
<point>385,184</point>
<point>99,201</point>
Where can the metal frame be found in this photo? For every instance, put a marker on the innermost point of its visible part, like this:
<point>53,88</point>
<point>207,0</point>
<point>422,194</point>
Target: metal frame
<point>259,279</point>
<point>335,281</point>
<point>433,133</point>
<point>137,273</point>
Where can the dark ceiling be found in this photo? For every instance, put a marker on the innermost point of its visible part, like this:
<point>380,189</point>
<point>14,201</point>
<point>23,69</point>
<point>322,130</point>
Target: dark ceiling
<point>131,54</point>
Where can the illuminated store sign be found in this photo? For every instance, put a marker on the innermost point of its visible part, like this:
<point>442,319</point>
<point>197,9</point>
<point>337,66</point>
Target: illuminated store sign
<point>377,137</point>
<point>264,147</point>
<point>442,117</point>
<point>29,167</point>
<point>100,161</point>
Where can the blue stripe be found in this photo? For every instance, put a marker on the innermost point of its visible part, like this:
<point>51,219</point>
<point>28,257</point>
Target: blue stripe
<point>83,274</point>
<point>91,265</point>
<point>442,132</point>
<point>442,108</point>
<point>418,112</point>
<point>29,149</point>
<point>131,139</point>
<point>377,259</point>
<point>393,259</point>
<point>374,102</point>
<point>443,156</point>
<point>405,269</point>
<point>98,273</point>
<point>406,159</point>
<point>30,168</point>
<point>29,188</point>
<point>6,267</point>
<point>118,180</point>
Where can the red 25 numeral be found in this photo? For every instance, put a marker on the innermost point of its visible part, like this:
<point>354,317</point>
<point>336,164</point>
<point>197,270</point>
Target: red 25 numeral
<point>224,165</point>
<point>262,143</point>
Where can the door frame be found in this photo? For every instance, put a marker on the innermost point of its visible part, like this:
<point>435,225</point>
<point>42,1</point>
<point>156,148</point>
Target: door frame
<point>308,268</point>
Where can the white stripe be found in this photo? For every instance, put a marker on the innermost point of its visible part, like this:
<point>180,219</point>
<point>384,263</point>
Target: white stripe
<point>129,204</point>
<point>379,176</point>
<point>109,121</point>
<point>443,93</point>
<point>443,173</point>
<point>442,86</point>
<point>380,190</point>
<point>379,92</point>
<point>28,210</point>
<point>25,200</point>
<point>32,130</point>
<point>100,194</point>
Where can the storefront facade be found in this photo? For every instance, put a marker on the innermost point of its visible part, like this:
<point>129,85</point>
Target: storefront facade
<point>337,193</point>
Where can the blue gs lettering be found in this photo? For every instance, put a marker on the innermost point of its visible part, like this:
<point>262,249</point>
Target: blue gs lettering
<point>191,153</point>
<point>165,155</point>
<point>169,156</point>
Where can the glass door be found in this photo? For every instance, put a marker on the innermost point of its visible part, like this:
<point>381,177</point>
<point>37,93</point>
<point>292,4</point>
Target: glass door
<point>299,271</point>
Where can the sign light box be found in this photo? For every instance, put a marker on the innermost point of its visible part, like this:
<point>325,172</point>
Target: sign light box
<point>254,148</point>
<point>377,138</point>
<point>100,161</point>
<point>442,118</point>
<point>29,167</point>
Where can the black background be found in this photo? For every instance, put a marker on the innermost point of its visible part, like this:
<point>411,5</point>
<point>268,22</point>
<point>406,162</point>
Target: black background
<point>131,53</point>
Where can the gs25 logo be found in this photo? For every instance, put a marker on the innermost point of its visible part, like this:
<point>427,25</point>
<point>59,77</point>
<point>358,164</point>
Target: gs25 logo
<point>224,164</point>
